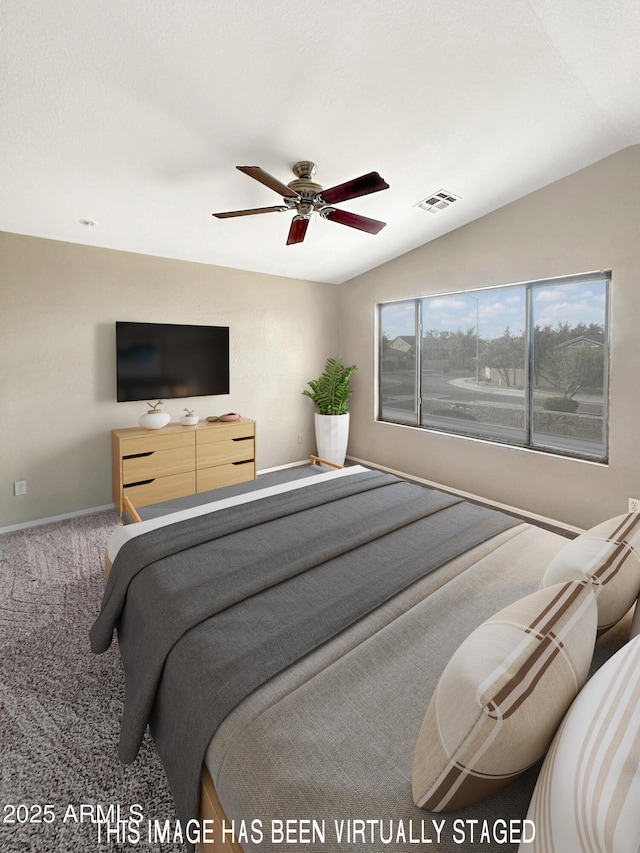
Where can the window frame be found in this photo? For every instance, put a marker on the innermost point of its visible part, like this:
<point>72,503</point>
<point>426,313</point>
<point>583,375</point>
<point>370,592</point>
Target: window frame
<point>529,443</point>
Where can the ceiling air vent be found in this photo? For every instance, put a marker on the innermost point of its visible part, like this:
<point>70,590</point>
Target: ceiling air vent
<point>438,201</point>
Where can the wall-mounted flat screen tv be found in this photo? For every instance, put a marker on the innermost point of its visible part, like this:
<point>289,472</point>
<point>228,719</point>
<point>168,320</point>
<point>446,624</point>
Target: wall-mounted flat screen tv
<point>166,360</point>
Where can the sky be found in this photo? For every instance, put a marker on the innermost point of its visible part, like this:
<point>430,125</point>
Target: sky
<point>494,309</point>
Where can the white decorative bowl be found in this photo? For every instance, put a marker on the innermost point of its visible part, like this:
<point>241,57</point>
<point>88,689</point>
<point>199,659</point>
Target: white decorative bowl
<point>189,420</point>
<point>154,420</point>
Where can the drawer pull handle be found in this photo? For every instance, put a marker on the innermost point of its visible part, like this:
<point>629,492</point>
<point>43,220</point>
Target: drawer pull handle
<point>138,455</point>
<point>243,438</point>
<point>139,483</point>
<point>243,462</point>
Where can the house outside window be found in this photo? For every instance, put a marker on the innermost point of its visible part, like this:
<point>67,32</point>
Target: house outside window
<point>523,364</point>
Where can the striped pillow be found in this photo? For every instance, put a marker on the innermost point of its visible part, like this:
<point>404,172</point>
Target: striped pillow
<point>502,696</point>
<point>608,557</point>
<point>588,791</point>
<point>635,624</point>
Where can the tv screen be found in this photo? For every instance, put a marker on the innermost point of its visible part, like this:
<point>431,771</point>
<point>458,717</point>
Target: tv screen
<point>165,361</point>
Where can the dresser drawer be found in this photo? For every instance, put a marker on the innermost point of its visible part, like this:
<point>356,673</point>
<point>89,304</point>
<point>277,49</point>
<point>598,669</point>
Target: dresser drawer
<point>161,489</point>
<point>225,431</point>
<point>157,463</point>
<point>157,440</point>
<point>223,452</point>
<point>225,475</point>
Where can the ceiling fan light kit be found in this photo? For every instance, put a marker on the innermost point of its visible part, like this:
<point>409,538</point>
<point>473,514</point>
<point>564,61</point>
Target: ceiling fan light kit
<point>307,197</point>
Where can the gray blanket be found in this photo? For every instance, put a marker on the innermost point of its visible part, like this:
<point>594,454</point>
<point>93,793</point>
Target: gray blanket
<point>228,600</point>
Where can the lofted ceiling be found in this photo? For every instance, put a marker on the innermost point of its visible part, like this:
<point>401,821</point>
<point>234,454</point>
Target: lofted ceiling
<point>134,113</point>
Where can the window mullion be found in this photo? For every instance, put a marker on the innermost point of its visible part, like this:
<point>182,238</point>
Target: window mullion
<point>419,356</point>
<point>529,372</point>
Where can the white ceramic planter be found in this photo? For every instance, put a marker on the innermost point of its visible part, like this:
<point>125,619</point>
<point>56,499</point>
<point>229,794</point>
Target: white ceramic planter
<point>189,420</point>
<point>154,420</point>
<point>332,435</point>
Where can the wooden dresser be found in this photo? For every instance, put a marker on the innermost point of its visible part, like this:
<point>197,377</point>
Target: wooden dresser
<point>157,465</point>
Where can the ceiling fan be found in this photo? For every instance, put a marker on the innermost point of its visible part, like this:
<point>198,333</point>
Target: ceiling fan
<point>306,197</point>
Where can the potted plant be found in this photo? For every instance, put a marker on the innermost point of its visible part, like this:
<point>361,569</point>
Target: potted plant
<point>189,418</point>
<point>330,394</point>
<point>154,418</point>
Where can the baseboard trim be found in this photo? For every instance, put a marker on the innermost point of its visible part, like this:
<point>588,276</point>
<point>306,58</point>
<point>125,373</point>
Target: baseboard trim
<point>540,520</point>
<point>38,522</point>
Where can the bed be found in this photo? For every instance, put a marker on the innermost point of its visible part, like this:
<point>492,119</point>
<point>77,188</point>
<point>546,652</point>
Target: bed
<point>314,750</point>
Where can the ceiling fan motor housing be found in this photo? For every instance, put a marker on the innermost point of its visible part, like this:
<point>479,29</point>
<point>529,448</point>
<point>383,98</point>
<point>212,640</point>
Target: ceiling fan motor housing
<point>305,188</point>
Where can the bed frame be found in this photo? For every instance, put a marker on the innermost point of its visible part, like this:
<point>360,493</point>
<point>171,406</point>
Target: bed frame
<point>211,809</point>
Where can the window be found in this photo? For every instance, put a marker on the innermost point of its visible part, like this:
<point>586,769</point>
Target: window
<point>520,364</point>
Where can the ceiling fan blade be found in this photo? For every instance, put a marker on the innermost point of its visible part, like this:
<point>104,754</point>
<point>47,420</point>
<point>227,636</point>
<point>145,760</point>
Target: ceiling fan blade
<point>268,180</point>
<point>365,184</point>
<point>353,220</point>
<point>298,229</point>
<point>228,214</point>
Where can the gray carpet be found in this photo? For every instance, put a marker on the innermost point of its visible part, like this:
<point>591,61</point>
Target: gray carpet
<point>60,704</point>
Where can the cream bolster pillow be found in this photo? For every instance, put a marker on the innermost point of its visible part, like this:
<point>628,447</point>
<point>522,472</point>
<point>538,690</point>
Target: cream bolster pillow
<point>608,557</point>
<point>502,696</point>
<point>587,796</point>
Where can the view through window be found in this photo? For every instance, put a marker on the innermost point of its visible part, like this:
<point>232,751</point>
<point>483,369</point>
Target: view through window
<point>522,364</point>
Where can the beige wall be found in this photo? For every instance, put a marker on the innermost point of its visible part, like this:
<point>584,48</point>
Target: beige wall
<point>588,221</point>
<point>58,304</point>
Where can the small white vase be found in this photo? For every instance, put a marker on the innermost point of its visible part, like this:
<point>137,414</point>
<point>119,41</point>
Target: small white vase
<point>189,420</point>
<point>154,420</point>
<point>332,435</point>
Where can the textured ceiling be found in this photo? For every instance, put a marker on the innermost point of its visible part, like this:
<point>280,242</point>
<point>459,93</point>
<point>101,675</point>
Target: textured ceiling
<point>134,115</point>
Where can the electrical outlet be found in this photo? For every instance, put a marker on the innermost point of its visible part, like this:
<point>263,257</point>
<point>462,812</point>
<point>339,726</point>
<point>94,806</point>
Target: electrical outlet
<point>20,487</point>
<point>299,438</point>
<point>634,504</point>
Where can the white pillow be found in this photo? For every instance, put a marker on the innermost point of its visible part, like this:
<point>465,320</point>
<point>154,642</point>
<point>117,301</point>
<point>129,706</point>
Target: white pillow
<point>608,557</point>
<point>587,796</point>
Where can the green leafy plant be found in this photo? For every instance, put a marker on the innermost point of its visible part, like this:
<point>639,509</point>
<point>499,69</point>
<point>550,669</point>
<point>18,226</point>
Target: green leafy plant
<point>560,404</point>
<point>331,391</point>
